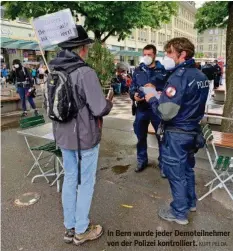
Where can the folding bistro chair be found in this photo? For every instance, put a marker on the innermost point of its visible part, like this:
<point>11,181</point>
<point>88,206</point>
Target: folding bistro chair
<point>222,166</point>
<point>49,147</point>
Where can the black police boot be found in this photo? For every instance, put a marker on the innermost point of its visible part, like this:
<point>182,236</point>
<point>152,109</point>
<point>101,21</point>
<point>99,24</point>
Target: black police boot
<point>140,168</point>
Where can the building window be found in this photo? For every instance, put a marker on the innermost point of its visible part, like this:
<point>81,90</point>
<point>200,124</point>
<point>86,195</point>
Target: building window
<point>142,35</point>
<point>210,39</point>
<point>131,49</point>
<point>215,55</point>
<point>132,35</point>
<point>216,31</point>
<point>215,38</point>
<point>211,32</point>
<point>161,38</point>
<point>215,47</point>
<point>201,47</point>
<point>153,36</point>
<point>116,48</point>
<point>122,59</point>
<point>210,47</point>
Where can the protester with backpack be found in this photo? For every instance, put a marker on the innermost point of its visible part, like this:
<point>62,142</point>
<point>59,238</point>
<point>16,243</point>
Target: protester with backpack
<point>75,102</point>
<point>24,84</point>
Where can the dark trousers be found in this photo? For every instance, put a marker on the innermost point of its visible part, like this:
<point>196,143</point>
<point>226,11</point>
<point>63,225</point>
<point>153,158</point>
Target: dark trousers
<point>178,163</point>
<point>216,81</point>
<point>22,93</point>
<point>141,123</point>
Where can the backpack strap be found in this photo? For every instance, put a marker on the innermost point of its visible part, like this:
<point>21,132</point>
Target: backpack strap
<point>70,70</point>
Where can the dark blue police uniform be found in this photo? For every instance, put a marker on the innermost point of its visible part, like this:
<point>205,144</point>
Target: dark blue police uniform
<point>181,107</point>
<point>144,115</point>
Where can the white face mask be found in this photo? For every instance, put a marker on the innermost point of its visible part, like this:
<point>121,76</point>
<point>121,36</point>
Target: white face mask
<point>16,66</point>
<point>168,63</point>
<point>147,60</point>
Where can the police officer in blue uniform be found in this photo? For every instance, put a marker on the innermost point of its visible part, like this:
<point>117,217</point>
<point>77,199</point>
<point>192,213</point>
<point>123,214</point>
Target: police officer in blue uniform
<point>149,72</point>
<point>181,108</point>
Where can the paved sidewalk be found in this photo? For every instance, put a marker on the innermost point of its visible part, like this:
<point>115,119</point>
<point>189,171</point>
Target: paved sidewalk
<point>123,200</point>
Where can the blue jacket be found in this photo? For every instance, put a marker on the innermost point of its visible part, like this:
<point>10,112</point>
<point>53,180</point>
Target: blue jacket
<point>4,72</point>
<point>182,103</point>
<point>144,75</point>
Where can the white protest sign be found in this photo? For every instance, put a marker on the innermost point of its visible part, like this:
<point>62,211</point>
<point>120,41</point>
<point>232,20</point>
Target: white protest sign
<point>55,28</point>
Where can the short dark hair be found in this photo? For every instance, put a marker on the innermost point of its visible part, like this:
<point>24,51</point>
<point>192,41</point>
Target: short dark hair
<point>181,44</point>
<point>150,47</point>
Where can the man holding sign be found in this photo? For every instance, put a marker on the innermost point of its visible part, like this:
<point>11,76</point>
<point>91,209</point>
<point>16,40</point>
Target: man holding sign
<point>79,136</point>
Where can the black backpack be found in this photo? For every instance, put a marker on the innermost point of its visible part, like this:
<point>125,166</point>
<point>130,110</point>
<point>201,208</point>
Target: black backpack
<point>60,103</point>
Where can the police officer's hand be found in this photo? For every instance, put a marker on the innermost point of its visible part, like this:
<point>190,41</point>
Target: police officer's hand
<point>149,96</point>
<point>136,97</point>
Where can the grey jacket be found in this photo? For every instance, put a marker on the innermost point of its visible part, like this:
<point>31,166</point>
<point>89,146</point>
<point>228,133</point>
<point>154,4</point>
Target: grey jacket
<point>87,91</point>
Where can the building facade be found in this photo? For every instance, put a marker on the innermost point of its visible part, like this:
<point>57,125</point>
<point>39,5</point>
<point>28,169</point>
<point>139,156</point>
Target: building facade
<point>212,43</point>
<point>18,41</point>
<point>130,49</point>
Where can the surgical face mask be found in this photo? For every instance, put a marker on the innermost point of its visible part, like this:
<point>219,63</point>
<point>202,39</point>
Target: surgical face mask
<point>168,63</point>
<point>124,75</point>
<point>147,60</point>
<point>16,66</point>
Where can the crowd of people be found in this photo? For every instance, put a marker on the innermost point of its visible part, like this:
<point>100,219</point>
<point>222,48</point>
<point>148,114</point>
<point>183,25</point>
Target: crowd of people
<point>174,105</point>
<point>213,71</point>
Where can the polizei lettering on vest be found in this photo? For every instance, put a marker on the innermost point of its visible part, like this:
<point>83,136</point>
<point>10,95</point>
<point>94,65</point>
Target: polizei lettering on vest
<point>203,84</point>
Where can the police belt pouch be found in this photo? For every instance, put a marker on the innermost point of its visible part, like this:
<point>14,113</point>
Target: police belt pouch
<point>199,137</point>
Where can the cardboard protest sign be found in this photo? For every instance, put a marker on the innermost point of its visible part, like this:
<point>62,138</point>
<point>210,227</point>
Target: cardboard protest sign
<point>55,28</point>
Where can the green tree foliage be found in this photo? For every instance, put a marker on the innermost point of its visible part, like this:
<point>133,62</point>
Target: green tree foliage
<point>100,59</point>
<point>103,18</point>
<point>220,14</point>
<point>212,14</point>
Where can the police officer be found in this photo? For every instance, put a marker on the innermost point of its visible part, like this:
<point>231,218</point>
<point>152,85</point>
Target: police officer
<point>181,107</point>
<point>145,74</point>
<point>217,74</point>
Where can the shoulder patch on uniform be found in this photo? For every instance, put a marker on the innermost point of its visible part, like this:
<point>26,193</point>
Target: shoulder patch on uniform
<point>180,72</point>
<point>171,91</point>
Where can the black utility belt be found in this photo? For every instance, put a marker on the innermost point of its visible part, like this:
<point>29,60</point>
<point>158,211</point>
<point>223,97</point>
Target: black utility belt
<point>23,84</point>
<point>178,130</point>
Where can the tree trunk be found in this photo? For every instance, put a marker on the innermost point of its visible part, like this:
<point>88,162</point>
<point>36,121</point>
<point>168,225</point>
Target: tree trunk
<point>227,126</point>
<point>97,35</point>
